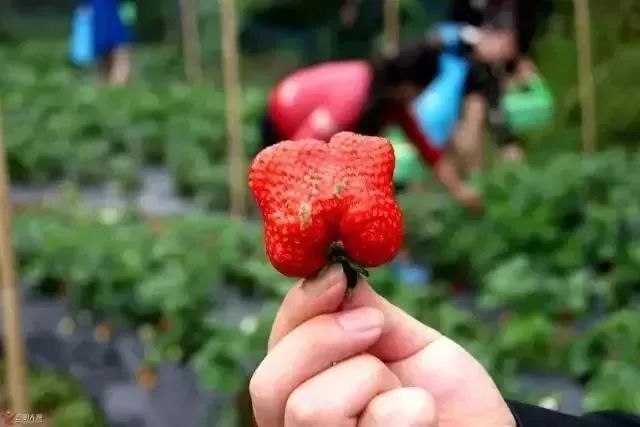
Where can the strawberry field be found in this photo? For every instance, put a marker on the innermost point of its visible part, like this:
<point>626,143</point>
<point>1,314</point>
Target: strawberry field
<point>150,293</point>
<point>556,294</point>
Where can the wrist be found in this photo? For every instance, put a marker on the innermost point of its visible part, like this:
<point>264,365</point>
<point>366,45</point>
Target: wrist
<point>462,191</point>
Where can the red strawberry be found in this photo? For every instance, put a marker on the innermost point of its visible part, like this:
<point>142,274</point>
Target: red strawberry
<point>315,196</point>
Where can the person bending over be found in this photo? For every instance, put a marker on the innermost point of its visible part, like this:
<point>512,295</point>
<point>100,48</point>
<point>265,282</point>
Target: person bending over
<point>506,29</point>
<point>363,96</point>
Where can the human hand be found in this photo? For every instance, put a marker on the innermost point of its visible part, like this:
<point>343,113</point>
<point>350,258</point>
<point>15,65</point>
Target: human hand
<point>495,45</point>
<point>469,198</point>
<point>512,153</point>
<point>359,360</point>
<point>526,68</point>
<point>524,71</point>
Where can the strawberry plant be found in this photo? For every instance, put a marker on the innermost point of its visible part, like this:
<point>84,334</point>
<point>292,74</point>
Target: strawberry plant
<point>558,241</point>
<point>614,387</point>
<point>612,338</point>
<point>60,126</point>
<point>60,399</point>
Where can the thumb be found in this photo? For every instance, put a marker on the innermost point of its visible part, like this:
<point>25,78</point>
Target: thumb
<point>402,336</point>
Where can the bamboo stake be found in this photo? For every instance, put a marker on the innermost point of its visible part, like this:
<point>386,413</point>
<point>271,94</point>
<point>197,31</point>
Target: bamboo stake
<point>235,144</point>
<point>14,349</point>
<point>191,41</point>
<point>585,76</point>
<point>391,26</point>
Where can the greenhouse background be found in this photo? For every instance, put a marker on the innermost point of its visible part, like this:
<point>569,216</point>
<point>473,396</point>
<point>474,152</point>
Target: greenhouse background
<point>146,298</point>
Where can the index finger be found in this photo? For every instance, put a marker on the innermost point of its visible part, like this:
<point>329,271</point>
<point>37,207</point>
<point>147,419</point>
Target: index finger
<point>402,336</point>
<point>308,299</point>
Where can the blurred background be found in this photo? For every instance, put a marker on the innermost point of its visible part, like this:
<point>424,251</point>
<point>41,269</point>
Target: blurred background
<point>147,301</point>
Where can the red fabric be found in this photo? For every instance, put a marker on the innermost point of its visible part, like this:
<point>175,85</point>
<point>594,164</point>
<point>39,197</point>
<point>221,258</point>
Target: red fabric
<point>403,116</point>
<point>337,91</point>
<point>339,88</point>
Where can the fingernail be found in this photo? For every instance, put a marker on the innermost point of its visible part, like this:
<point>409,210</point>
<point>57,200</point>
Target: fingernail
<point>362,319</point>
<point>327,280</point>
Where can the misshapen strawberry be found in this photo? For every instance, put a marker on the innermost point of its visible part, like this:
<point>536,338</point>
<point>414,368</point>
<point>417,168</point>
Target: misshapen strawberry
<point>316,197</point>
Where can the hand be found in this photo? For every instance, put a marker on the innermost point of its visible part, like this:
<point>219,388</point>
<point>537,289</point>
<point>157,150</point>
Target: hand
<point>525,69</point>
<point>468,197</point>
<point>336,361</point>
<point>512,153</point>
<point>495,46</point>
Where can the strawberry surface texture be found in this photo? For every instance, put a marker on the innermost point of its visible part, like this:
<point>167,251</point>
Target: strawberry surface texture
<point>314,195</point>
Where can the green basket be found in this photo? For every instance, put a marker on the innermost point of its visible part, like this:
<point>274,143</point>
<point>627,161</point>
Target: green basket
<point>409,166</point>
<point>529,106</point>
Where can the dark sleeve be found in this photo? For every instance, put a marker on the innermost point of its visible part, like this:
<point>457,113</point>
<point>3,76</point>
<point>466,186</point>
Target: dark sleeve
<point>533,416</point>
<point>491,86</point>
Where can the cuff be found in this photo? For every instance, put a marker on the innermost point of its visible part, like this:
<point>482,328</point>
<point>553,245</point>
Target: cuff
<point>534,416</point>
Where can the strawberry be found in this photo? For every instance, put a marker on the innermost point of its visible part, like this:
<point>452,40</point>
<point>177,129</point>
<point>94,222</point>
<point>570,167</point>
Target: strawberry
<point>327,202</point>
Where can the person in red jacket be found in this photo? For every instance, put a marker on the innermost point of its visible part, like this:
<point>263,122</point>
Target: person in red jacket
<point>364,97</point>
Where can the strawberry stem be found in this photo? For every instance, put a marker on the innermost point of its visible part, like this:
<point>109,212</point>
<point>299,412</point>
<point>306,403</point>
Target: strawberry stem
<point>337,255</point>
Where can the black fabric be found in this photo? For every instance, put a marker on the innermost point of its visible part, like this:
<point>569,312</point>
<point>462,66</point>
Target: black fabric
<point>477,78</point>
<point>416,63</point>
<point>533,416</point>
<point>527,16</point>
<point>486,81</point>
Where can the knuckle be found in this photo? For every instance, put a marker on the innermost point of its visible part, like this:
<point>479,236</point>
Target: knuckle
<point>259,387</point>
<point>380,412</point>
<point>372,365</point>
<point>412,405</point>
<point>301,411</point>
<point>422,406</point>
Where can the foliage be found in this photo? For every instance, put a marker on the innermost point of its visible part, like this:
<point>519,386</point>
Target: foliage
<point>103,133</point>
<point>552,262</point>
<point>61,399</point>
<point>132,270</point>
<point>555,251</point>
<point>169,278</point>
<point>93,133</point>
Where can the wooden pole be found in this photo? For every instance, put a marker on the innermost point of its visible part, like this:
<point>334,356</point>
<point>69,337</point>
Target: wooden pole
<point>391,26</point>
<point>14,349</point>
<point>585,76</point>
<point>235,144</point>
<point>191,41</point>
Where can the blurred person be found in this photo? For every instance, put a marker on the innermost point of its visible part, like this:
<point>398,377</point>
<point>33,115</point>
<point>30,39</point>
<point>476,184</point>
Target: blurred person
<point>363,96</point>
<point>112,39</point>
<point>358,360</point>
<point>507,28</point>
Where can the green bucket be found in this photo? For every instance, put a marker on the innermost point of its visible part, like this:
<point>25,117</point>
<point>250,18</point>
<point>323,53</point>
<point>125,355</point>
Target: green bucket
<point>409,167</point>
<point>529,106</point>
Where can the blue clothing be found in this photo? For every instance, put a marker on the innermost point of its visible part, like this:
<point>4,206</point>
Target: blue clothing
<point>438,107</point>
<point>109,32</point>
